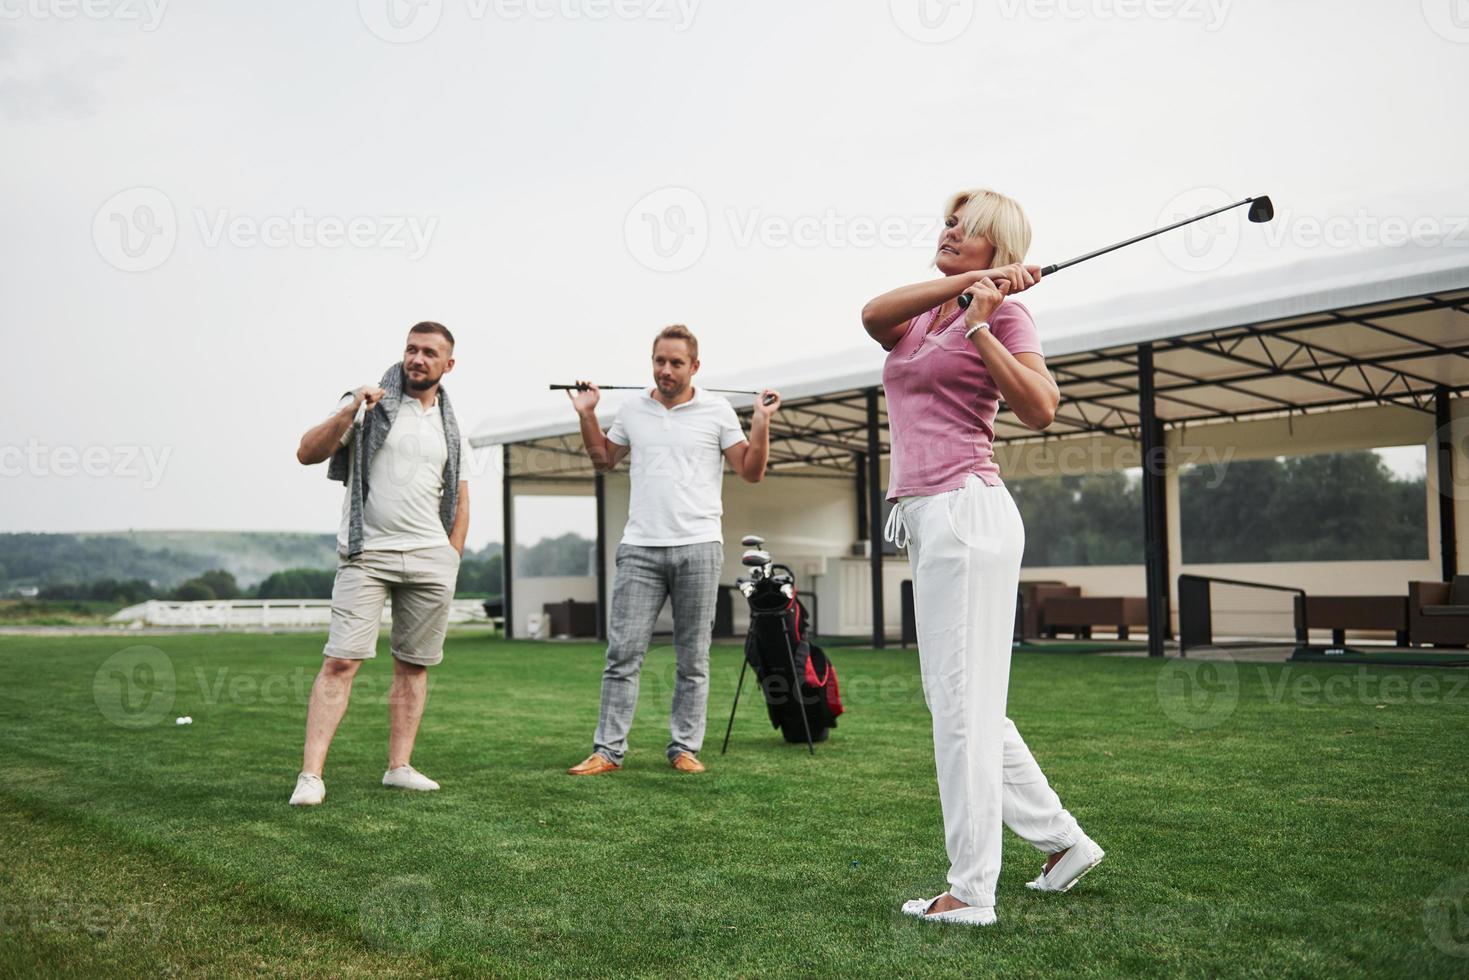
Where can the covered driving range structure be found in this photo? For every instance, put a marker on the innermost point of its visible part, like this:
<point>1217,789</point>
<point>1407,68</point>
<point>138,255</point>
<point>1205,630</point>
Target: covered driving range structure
<point>1355,350</point>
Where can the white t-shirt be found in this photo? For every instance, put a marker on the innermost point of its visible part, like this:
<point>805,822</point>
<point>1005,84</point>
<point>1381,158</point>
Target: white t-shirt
<point>676,465</point>
<point>406,482</point>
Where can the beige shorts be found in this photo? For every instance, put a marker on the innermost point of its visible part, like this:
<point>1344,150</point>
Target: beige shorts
<point>420,584</point>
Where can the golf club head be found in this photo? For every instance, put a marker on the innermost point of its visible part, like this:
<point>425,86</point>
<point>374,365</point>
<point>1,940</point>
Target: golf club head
<point>755,559</point>
<point>752,541</point>
<point>1261,210</point>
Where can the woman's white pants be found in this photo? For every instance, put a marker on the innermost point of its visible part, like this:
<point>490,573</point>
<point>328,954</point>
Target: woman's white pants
<point>964,548</point>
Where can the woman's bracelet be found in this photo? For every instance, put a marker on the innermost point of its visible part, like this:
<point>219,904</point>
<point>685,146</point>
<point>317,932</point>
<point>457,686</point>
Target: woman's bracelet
<point>981,325</point>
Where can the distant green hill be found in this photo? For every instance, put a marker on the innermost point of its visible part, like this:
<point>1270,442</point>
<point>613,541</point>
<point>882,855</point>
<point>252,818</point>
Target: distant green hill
<point>167,558</point>
<point>163,557</point>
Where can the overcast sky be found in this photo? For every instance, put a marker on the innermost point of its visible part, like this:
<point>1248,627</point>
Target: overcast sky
<point>216,217</point>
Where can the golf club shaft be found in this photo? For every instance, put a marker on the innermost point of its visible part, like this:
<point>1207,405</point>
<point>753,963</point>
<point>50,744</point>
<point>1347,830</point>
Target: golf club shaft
<point>964,299</point>
<point>599,387</point>
<point>722,391</point>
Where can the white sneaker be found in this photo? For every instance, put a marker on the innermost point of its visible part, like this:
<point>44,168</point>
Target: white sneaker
<point>310,790</point>
<point>1080,858</point>
<point>406,777</point>
<point>970,915</point>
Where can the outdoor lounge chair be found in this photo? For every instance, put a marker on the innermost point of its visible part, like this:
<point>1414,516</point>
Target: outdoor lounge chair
<point>1438,612</point>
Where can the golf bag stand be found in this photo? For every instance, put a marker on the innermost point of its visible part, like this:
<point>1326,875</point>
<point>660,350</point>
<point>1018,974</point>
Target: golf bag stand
<point>796,691</point>
<point>794,674</point>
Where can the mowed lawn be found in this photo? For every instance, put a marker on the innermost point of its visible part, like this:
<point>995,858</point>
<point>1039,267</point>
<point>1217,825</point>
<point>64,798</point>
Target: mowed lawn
<point>1280,820</point>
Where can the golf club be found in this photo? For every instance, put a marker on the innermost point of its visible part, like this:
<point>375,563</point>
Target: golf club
<point>768,400</point>
<point>1261,211</point>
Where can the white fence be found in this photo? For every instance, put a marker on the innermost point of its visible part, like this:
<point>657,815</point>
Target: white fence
<point>264,613</point>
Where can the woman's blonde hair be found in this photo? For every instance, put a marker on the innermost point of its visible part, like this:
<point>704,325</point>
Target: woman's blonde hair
<point>999,218</point>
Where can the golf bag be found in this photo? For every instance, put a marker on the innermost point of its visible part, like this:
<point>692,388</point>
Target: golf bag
<point>799,682</point>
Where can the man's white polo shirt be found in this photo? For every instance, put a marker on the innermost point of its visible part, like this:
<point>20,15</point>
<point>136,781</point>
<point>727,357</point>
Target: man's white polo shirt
<point>406,482</point>
<point>676,465</point>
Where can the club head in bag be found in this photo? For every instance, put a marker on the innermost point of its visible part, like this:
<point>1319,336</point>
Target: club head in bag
<point>755,559</point>
<point>1261,210</point>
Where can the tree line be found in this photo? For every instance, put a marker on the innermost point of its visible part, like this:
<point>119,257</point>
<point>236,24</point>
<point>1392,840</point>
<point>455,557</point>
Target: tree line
<point>1320,507</point>
<point>481,575</point>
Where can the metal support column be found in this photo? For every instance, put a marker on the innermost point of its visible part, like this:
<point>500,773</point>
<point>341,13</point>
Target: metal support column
<point>859,463</point>
<point>1447,532</point>
<point>507,557</point>
<point>1155,509</point>
<point>874,517</point>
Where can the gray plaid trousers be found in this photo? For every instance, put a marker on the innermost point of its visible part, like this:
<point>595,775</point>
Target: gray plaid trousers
<point>646,577</point>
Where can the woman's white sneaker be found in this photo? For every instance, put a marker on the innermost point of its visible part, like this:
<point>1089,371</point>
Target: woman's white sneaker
<point>1080,858</point>
<point>310,790</point>
<point>406,777</point>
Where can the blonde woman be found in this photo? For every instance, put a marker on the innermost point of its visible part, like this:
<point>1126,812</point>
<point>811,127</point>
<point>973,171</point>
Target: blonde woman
<point>947,370</point>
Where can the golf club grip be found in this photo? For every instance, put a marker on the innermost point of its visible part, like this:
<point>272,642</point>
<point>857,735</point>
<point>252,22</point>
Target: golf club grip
<point>964,297</point>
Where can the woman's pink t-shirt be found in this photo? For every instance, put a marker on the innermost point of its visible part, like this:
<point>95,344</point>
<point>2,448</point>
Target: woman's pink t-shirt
<point>942,402</point>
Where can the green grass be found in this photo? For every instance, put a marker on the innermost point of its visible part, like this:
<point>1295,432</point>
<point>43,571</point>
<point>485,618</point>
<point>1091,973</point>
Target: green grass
<point>1288,820</point>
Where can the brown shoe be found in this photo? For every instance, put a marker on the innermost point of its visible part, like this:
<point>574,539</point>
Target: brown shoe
<point>594,765</point>
<point>685,762</point>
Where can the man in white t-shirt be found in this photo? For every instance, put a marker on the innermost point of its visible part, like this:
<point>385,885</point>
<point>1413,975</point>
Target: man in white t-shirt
<point>678,438</point>
<point>404,520</point>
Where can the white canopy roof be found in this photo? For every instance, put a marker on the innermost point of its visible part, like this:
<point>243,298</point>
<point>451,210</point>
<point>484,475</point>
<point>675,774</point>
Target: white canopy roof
<point>1365,326</point>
